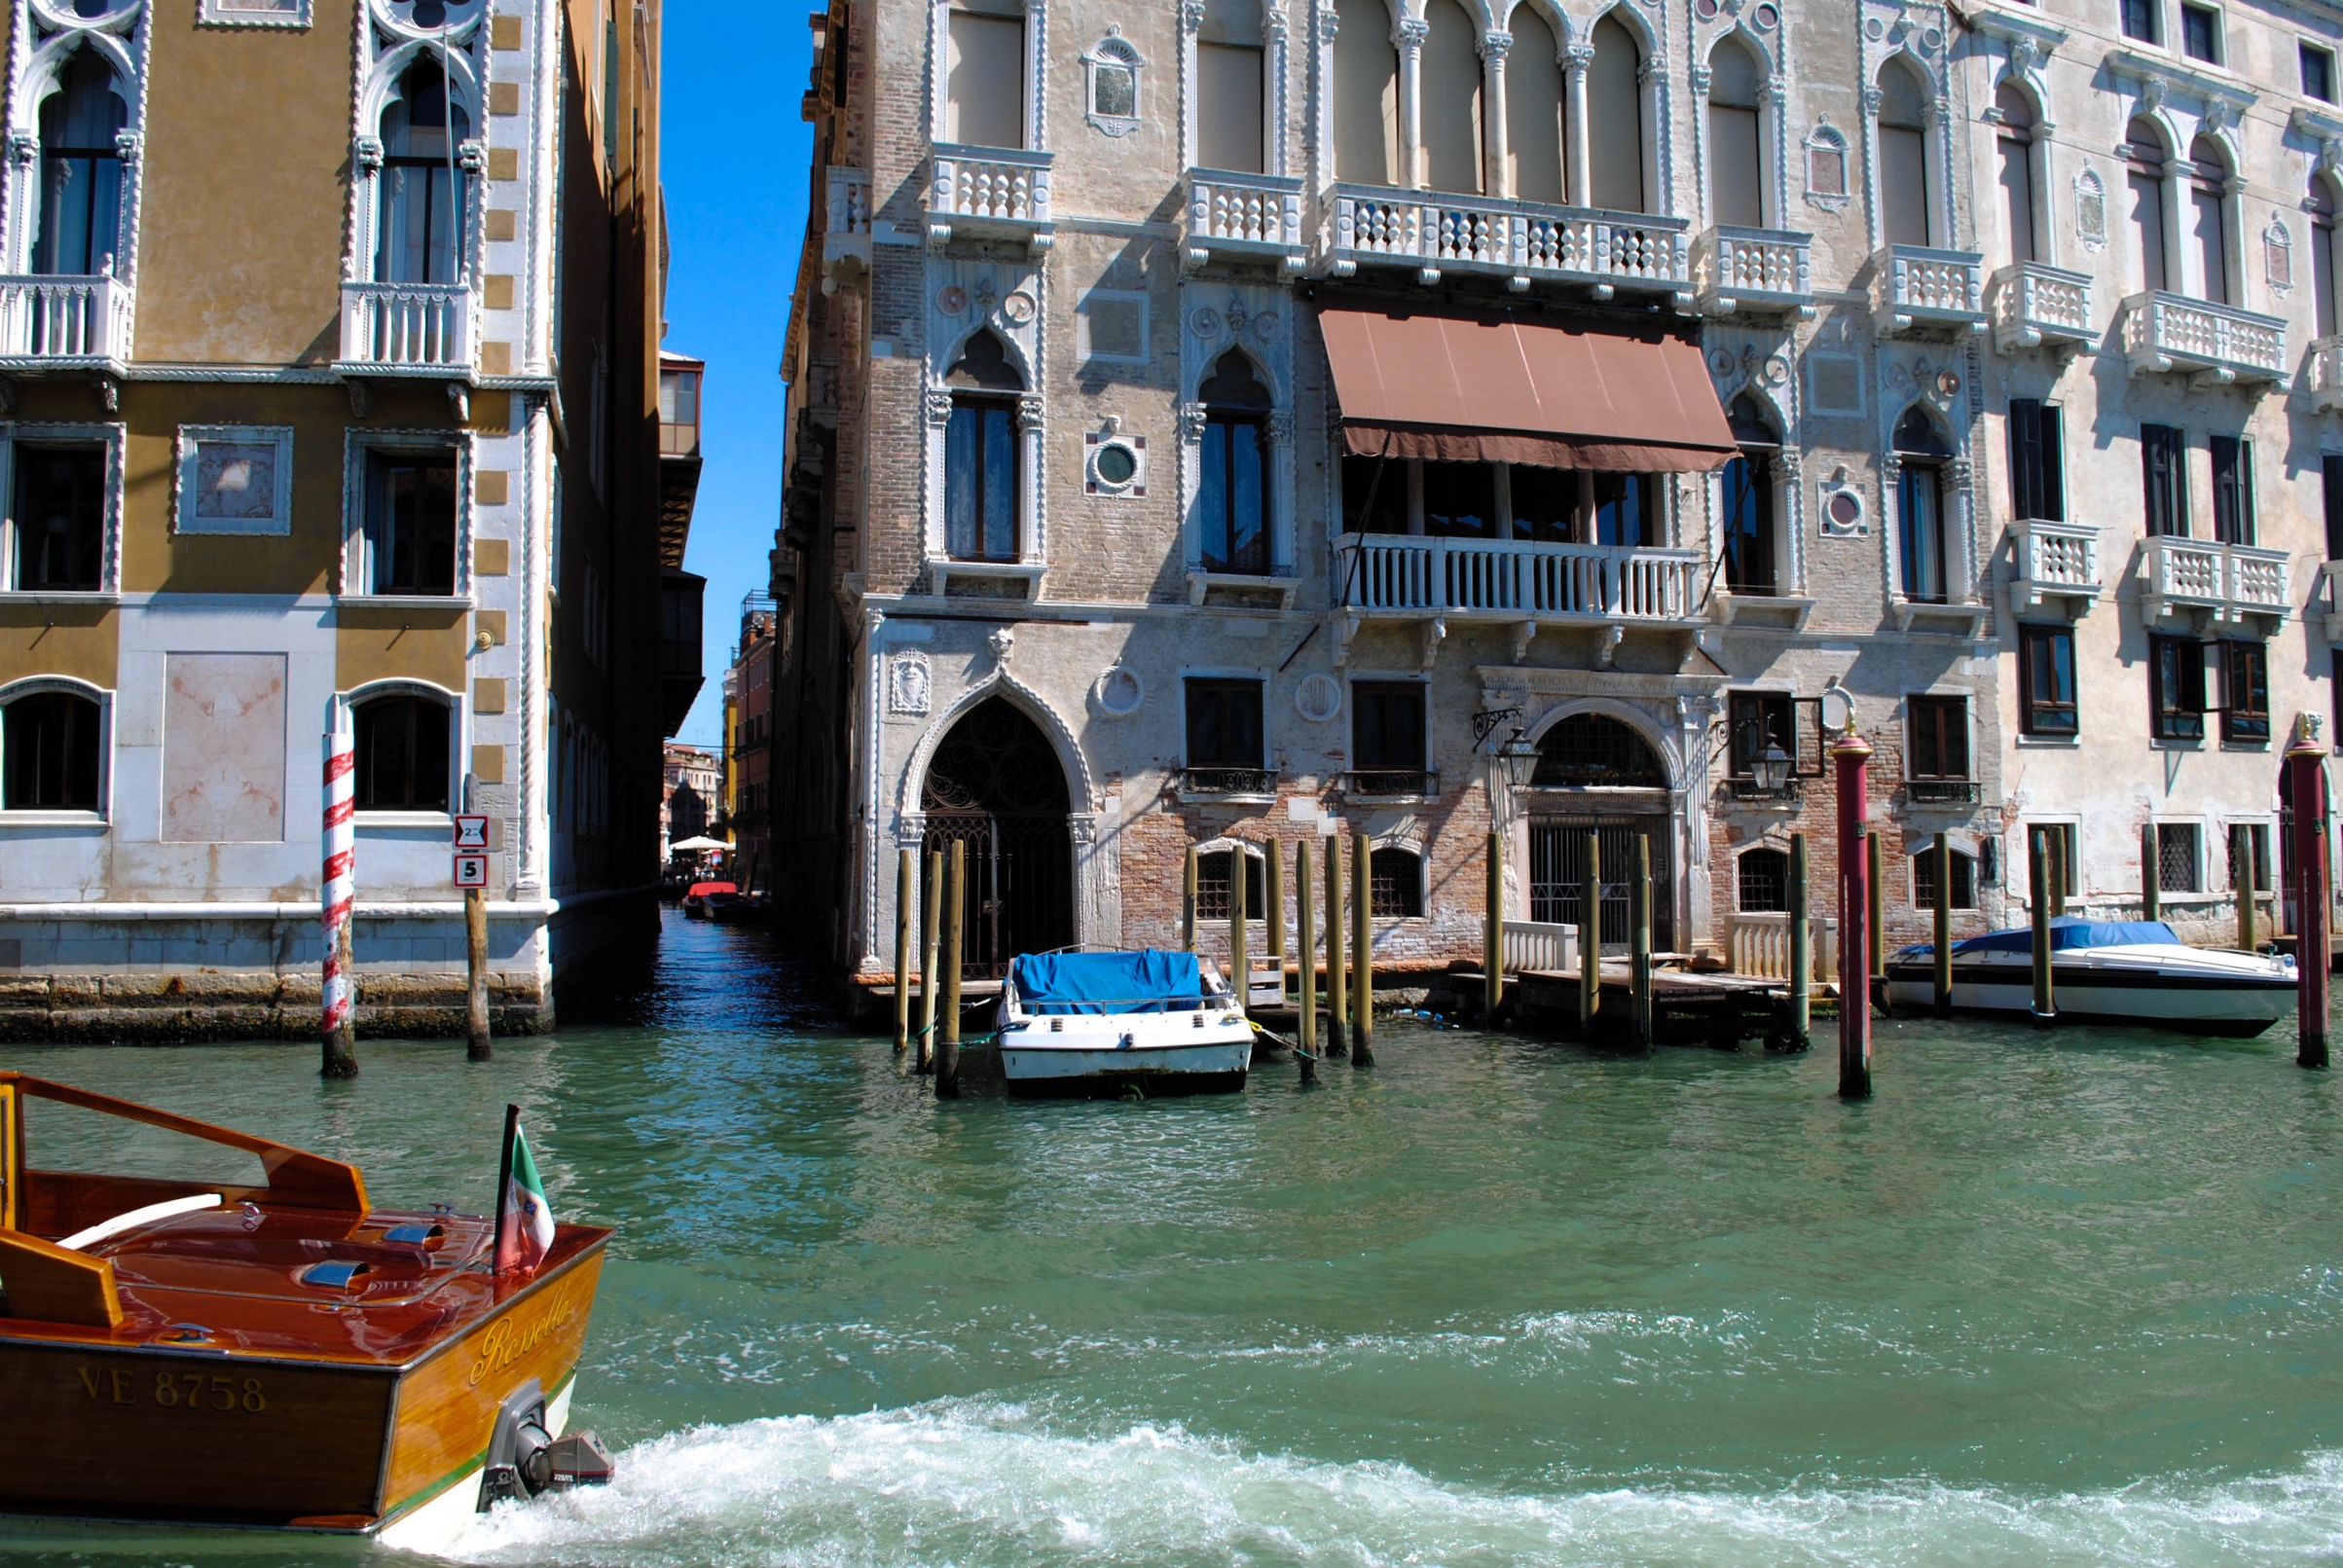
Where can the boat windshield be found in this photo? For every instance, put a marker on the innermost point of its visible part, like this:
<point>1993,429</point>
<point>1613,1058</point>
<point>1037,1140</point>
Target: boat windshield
<point>1148,981</point>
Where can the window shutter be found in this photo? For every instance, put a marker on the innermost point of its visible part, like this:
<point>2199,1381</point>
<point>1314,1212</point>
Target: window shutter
<point>2026,457</point>
<point>2052,455</point>
<point>2331,467</point>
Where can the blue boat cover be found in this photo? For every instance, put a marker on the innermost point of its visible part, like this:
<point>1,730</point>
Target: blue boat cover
<point>2067,931</point>
<point>1148,981</point>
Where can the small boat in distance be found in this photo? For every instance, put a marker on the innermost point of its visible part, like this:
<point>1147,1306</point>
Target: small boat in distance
<point>2132,972</point>
<point>1093,1023</point>
<point>272,1351</point>
<point>700,900</point>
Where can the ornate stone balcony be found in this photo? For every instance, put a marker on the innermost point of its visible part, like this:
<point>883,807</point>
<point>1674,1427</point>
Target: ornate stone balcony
<point>1513,579</point>
<point>2054,560</point>
<point>2213,344</point>
<point>846,227</point>
<point>64,320</point>
<point>2226,582</point>
<point>2034,305</point>
<point>406,329</point>
<point>1753,271</point>
<point>1435,233</point>
<point>1244,217</point>
<point>2326,374</point>
<point>1921,290</point>
<point>1000,193</point>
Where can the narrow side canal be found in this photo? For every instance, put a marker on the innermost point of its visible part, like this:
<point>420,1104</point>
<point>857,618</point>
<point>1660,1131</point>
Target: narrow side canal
<point>2051,1299</point>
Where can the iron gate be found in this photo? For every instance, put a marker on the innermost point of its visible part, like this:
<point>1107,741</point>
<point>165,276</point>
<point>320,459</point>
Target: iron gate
<point>1018,897</point>
<point>1557,854</point>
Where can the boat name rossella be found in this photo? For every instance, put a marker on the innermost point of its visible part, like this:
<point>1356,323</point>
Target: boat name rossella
<point>505,1342</point>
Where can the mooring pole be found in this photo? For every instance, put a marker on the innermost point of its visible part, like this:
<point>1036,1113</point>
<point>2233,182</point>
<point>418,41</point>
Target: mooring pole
<point>2306,760</point>
<point>1852,753</point>
<point>1337,979</point>
<point>1240,958</point>
<point>1308,939</point>
<point>2240,861</point>
<point>2152,875</point>
<point>2037,853</point>
<point>903,864</point>
<point>1875,956</point>
<point>1188,904</point>
<point>338,893</point>
<point>1273,892</point>
<point>1944,925</point>
<point>1801,947</point>
<point>1493,934</point>
<point>1640,955</point>
<point>476,1044</point>
<point>947,1050</point>
<point>1590,936</point>
<point>930,914</point>
<point>1362,984</point>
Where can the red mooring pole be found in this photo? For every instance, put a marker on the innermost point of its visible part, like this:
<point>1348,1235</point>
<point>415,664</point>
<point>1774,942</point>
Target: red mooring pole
<point>2306,760</point>
<point>1852,753</point>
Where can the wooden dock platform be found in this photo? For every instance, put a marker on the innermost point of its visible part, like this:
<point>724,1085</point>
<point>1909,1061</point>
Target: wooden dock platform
<point>1688,1007</point>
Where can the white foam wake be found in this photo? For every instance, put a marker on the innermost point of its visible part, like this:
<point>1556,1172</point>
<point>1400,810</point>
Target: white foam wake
<point>969,1483</point>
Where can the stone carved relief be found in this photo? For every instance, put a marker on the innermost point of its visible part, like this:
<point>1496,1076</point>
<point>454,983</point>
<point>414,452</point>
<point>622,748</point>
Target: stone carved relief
<point>910,686</point>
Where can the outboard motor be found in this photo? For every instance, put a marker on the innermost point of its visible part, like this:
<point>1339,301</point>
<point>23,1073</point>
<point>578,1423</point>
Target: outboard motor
<point>526,1460</point>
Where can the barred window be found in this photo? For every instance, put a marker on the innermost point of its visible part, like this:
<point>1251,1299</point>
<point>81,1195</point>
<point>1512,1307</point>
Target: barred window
<point>1923,879</point>
<point>1765,882</point>
<point>1212,887</point>
<point>1396,885</point>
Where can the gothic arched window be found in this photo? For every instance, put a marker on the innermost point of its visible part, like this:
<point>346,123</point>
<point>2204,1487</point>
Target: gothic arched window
<point>425,188</point>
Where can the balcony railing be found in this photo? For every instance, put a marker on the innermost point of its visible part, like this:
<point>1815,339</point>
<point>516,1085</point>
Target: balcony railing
<point>1244,216</point>
<point>2054,558</point>
<point>407,328</point>
<point>1761,945</point>
<point>1002,192</point>
<point>1788,793</point>
<point>1408,782</point>
<point>1519,240</point>
<point>2216,344</point>
<point>1227,781</point>
<point>2326,374</point>
<point>64,318</point>
<point>1941,791</point>
<point>1752,271</point>
<point>1516,579</point>
<point>1919,289</point>
<point>846,224</point>
<point>2230,582</point>
<point>1531,946</point>
<point>2034,303</point>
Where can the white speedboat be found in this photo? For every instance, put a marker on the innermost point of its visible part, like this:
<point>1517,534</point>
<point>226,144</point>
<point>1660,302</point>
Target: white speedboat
<point>1087,1023</point>
<point>2136,971</point>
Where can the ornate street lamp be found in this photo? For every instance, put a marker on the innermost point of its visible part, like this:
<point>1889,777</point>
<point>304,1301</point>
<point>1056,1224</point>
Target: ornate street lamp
<point>1516,760</point>
<point>1770,768</point>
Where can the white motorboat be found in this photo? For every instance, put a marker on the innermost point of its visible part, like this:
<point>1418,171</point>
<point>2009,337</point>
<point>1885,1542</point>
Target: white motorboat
<point>1087,1023</point>
<point>2136,971</point>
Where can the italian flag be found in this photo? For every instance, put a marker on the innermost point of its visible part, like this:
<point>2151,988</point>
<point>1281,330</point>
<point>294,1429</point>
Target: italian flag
<point>524,1218</point>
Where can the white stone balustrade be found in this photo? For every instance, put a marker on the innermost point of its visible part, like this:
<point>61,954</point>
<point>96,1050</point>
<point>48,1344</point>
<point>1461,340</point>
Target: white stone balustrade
<point>1516,579</point>
<point>1753,271</point>
<point>1761,946</point>
<point>2326,374</point>
<point>1256,216</point>
<point>1921,289</point>
<point>1521,241</point>
<point>846,225</point>
<point>2034,303</point>
<point>994,191</point>
<point>64,319</point>
<point>2226,581</point>
<point>394,329</point>
<point>2214,343</point>
<point>2053,560</point>
<point>1541,946</point>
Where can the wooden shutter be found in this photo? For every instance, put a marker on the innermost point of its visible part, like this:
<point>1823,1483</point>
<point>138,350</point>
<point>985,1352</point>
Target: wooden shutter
<point>2050,453</point>
<point>2026,457</point>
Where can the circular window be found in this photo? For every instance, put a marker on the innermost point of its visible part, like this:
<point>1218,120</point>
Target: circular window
<point>430,16</point>
<point>1117,464</point>
<point>1845,510</point>
<point>69,13</point>
<point>1120,691</point>
<point>1768,18</point>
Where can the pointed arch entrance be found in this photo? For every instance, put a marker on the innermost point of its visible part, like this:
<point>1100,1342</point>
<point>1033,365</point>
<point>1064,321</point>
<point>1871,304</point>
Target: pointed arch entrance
<point>996,785</point>
<point>1598,775</point>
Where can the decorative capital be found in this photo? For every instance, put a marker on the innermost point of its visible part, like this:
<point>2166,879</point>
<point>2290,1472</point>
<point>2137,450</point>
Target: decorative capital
<point>1191,15</point>
<point>1576,58</point>
<point>1788,461</point>
<point>473,155</point>
<point>1330,20</point>
<point>1408,33</point>
<point>1494,44</point>
<point>1273,23</point>
<point>1649,69</point>
<point>1028,412</point>
<point>1192,424</point>
<point>1959,472</point>
<point>1281,428</point>
<point>940,406</point>
<point>367,152</point>
<point>1776,91</point>
<point>1873,98</point>
<point>24,147</point>
<point>1700,75</point>
<point>129,145</point>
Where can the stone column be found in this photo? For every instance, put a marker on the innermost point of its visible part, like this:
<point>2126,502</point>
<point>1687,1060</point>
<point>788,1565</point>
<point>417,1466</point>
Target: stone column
<point>1409,37</point>
<point>1497,177</point>
<point>1579,157</point>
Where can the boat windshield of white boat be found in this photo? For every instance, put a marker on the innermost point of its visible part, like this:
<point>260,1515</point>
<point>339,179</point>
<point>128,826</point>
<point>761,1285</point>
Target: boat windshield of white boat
<point>1146,981</point>
<point>2066,934</point>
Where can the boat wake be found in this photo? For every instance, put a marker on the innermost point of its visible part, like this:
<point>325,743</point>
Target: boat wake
<point>971,1484</point>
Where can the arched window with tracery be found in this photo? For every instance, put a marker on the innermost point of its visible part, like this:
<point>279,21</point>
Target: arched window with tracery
<point>80,227</point>
<point>1907,194</point>
<point>424,186</point>
<point>1535,108</point>
<point>1232,80</point>
<point>1615,118</point>
<point>1749,484</point>
<point>1921,452</point>
<point>1366,95</point>
<point>1736,179</point>
<point>983,455</point>
<point>1451,100</point>
<point>1234,478</point>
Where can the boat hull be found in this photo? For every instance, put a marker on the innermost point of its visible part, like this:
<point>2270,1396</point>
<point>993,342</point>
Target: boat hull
<point>1215,1067</point>
<point>146,1433</point>
<point>2238,1007</point>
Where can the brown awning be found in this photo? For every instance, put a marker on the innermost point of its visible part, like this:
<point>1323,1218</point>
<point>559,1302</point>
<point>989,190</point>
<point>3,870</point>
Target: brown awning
<point>1490,389</point>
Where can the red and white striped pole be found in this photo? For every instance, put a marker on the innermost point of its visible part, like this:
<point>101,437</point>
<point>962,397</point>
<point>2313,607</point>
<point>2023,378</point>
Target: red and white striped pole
<point>338,887</point>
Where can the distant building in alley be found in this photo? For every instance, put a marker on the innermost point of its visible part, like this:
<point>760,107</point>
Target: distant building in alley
<point>693,779</point>
<point>329,359</point>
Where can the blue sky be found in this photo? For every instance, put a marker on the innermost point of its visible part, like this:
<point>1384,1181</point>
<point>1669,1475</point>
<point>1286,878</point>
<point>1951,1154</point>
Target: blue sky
<point>734,163</point>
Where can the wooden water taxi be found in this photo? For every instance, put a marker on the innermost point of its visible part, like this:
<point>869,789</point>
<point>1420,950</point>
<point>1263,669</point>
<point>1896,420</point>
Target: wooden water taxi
<point>273,1353</point>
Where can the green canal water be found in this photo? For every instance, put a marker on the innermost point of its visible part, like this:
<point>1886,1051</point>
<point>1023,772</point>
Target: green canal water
<point>2050,1299</point>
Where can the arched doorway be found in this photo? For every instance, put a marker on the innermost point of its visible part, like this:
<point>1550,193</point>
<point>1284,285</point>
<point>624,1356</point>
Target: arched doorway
<point>995,784</point>
<point>1596,775</point>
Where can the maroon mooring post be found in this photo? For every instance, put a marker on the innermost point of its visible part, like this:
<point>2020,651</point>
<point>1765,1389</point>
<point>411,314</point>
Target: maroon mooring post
<point>1852,753</point>
<point>2306,761</point>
